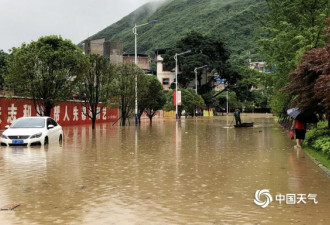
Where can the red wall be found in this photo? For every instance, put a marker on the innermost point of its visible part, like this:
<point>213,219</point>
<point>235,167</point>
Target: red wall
<point>66,113</point>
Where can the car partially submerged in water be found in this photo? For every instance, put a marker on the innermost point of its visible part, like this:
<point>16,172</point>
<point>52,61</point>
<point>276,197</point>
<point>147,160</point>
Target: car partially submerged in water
<point>32,131</point>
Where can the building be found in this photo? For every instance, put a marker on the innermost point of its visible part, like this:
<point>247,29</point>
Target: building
<point>260,67</point>
<point>165,77</point>
<point>111,49</point>
<point>114,51</point>
<point>143,61</point>
<point>168,77</point>
<point>94,46</point>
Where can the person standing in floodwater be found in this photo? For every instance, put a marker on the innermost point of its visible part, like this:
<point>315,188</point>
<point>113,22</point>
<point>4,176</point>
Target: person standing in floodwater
<point>300,131</point>
<point>237,115</point>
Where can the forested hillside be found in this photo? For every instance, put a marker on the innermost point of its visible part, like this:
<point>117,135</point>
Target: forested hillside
<point>233,21</point>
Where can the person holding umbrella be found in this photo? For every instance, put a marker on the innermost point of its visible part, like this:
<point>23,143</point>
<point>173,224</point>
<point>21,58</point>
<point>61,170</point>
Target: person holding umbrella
<point>299,124</point>
<point>300,130</point>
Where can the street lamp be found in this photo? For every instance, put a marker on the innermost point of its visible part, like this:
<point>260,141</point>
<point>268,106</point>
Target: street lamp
<point>226,84</point>
<point>176,81</point>
<point>227,98</point>
<point>195,70</point>
<point>136,63</point>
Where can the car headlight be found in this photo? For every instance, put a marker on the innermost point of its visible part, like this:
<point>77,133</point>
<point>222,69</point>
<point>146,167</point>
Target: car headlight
<point>38,135</point>
<point>4,136</point>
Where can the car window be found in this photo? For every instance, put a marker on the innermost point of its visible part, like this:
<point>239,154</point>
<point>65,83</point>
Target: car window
<point>53,122</point>
<point>49,122</point>
<point>29,123</point>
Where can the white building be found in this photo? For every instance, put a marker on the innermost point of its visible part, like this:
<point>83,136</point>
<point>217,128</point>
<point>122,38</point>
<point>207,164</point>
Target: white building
<point>168,77</point>
<point>165,77</point>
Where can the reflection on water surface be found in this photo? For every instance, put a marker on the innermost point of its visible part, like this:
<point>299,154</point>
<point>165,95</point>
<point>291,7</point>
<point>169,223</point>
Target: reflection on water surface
<point>192,172</point>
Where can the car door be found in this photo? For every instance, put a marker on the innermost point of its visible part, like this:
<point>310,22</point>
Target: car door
<point>57,130</point>
<point>51,131</point>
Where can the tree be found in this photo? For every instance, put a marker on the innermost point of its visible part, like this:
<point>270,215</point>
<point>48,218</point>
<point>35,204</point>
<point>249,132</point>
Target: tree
<point>95,86</point>
<point>153,99</point>
<point>322,93</point>
<point>322,84</point>
<point>314,65</point>
<point>254,87</point>
<point>220,101</point>
<point>205,50</point>
<point>125,88</point>
<point>46,70</point>
<point>190,101</point>
<point>310,82</point>
<point>3,66</point>
<point>291,28</point>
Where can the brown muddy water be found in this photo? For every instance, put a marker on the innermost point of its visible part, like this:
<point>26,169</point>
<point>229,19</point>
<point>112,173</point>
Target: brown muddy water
<point>192,172</point>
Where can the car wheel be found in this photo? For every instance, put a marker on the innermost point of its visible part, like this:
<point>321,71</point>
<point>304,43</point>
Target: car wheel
<point>46,141</point>
<point>60,139</point>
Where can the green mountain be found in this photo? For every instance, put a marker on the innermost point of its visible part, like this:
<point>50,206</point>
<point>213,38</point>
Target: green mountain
<point>233,21</point>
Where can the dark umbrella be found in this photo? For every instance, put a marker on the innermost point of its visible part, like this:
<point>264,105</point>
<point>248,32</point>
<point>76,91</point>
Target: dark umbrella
<point>307,117</point>
<point>296,114</point>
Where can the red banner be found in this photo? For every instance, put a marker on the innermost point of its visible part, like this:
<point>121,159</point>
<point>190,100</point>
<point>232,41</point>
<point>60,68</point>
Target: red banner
<point>66,113</point>
<point>174,97</point>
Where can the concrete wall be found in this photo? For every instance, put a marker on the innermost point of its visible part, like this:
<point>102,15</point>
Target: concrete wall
<point>110,49</point>
<point>143,61</point>
<point>96,46</point>
<point>116,52</point>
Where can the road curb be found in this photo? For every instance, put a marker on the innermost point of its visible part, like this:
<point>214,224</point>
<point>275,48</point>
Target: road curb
<point>320,165</point>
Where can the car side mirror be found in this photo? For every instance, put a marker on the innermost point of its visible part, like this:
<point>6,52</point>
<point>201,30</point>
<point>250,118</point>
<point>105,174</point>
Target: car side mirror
<point>7,126</point>
<point>50,126</point>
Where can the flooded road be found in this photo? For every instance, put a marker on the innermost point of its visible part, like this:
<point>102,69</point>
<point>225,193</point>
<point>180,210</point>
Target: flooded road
<point>192,172</point>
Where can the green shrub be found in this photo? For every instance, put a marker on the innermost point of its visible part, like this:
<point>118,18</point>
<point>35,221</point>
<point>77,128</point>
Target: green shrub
<point>322,144</point>
<point>316,134</point>
<point>322,124</point>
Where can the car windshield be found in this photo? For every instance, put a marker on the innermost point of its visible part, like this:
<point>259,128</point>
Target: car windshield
<point>29,123</point>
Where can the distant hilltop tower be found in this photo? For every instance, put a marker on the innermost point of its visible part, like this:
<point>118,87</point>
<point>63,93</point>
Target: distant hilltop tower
<point>110,49</point>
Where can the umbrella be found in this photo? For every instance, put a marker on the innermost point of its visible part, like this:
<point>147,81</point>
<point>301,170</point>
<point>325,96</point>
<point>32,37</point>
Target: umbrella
<point>307,118</point>
<point>296,114</point>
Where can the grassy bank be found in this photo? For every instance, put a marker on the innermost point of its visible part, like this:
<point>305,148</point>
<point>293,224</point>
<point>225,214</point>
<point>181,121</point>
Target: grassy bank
<point>317,144</point>
<point>318,156</point>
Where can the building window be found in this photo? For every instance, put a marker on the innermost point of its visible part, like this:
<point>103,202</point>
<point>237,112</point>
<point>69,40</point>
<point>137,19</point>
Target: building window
<point>166,81</point>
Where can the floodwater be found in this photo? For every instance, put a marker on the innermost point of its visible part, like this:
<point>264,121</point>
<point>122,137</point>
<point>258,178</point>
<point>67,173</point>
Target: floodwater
<point>192,172</point>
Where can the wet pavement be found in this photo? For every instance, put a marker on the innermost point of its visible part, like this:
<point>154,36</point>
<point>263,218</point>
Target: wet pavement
<point>192,172</point>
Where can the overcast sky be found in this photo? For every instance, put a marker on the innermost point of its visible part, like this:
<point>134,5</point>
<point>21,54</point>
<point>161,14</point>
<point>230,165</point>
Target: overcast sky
<point>27,20</point>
